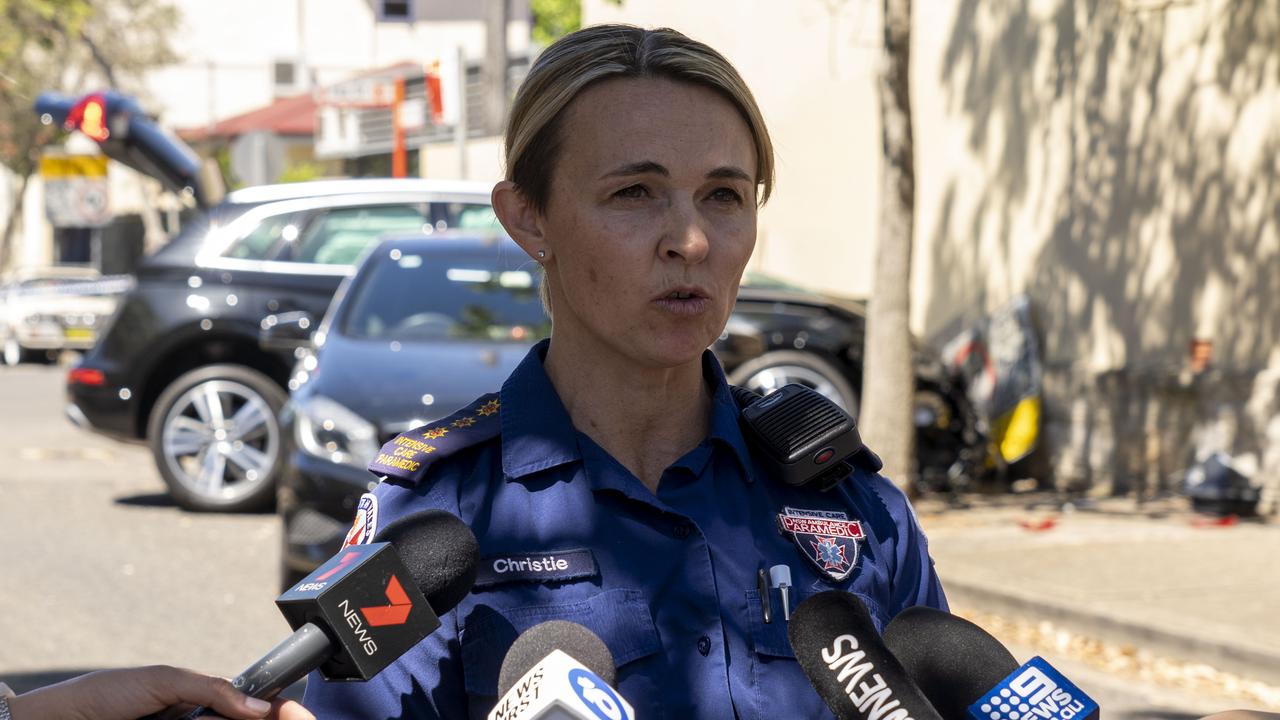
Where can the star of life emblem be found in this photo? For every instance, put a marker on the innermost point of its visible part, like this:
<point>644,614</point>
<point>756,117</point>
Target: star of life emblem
<point>828,539</point>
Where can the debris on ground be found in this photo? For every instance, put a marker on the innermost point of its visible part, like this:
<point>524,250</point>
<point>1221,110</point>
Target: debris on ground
<point>1123,660</point>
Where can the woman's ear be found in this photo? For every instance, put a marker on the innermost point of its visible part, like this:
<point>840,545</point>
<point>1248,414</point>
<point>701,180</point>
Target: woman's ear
<point>519,218</point>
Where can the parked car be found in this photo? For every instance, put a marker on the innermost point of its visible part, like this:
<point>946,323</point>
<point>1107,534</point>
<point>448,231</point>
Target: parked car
<point>428,324</point>
<point>46,310</point>
<point>180,366</point>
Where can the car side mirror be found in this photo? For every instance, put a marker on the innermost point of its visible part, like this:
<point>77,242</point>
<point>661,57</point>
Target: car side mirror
<point>287,331</point>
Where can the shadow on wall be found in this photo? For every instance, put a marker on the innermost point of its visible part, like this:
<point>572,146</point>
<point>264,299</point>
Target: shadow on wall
<point>1139,140</point>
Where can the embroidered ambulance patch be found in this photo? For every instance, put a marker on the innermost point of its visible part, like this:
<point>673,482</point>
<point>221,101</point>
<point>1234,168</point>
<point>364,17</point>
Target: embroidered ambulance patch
<point>828,539</point>
<point>366,522</point>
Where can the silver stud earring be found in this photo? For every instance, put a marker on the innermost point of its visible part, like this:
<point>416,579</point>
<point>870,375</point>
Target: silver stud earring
<point>542,254</point>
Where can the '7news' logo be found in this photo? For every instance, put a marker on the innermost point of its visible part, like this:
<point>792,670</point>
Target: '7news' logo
<point>1034,691</point>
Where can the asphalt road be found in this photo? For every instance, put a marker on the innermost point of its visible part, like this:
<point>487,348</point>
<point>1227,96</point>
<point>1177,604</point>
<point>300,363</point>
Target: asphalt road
<point>101,570</point>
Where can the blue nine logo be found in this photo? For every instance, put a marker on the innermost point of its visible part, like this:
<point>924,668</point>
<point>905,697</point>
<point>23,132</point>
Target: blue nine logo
<point>597,696</point>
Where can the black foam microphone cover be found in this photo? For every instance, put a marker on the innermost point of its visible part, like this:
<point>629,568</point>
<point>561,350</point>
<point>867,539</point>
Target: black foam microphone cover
<point>953,660</point>
<point>538,641</point>
<point>439,551</point>
<point>840,651</point>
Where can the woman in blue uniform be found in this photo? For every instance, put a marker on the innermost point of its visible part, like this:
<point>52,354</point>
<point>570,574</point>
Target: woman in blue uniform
<point>608,481</point>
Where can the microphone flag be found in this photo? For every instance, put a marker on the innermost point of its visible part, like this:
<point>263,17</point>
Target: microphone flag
<point>1035,691</point>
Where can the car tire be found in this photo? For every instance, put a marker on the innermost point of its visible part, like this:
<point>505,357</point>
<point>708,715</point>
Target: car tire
<point>216,439</point>
<point>772,370</point>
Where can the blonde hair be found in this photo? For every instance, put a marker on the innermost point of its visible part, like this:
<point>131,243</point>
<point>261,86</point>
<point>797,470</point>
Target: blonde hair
<point>599,52</point>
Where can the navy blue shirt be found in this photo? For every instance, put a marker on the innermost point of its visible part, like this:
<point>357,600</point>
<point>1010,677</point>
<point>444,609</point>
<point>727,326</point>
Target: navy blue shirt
<point>668,581</point>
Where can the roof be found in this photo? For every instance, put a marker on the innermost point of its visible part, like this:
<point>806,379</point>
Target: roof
<point>314,188</point>
<point>294,116</point>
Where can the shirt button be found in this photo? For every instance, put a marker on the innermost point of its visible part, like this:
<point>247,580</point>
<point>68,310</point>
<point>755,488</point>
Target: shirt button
<point>704,645</point>
<point>682,531</point>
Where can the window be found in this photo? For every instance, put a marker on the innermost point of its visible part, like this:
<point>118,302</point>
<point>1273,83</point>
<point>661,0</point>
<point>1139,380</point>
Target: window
<point>285,73</point>
<point>395,9</point>
<point>429,296</point>
<point>463,216</point>
<point>343,234</point>
<point>265,240</point>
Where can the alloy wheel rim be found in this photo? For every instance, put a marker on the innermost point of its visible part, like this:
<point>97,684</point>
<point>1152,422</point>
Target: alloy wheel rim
<point>768,379</point>
<point>220,440</point>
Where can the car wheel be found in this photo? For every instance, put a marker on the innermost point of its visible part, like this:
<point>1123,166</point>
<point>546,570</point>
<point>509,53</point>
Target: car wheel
<point>215,435</point>
<point>772,370</point>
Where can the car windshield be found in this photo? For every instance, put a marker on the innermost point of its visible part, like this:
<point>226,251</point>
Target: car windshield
<point>482,294</point>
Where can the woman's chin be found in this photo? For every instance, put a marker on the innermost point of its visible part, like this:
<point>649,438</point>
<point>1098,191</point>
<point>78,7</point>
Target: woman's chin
<point>674,350</point>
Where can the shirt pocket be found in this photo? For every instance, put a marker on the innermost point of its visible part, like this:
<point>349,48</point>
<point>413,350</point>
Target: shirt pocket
<point>779,688</point>
<point>620,617</point>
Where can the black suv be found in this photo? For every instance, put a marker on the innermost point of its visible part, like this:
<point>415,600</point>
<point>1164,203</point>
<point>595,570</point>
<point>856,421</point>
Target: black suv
<point>179,365</point>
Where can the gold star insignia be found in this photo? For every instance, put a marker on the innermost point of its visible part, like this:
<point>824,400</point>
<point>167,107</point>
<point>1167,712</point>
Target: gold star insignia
<point>434,433</point>
<point>489,408</point>
<point>463,422</point>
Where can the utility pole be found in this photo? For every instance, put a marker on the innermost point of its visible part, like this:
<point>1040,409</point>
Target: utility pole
<point>888,383</point>
<point>497,13</point>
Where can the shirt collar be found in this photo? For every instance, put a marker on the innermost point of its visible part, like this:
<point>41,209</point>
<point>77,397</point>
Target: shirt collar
<point>538,434</point>
<point>536,430</point>
<point>724,415</point>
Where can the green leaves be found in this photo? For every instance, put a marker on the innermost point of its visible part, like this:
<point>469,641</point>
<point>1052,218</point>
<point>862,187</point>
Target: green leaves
<point>553,19</point>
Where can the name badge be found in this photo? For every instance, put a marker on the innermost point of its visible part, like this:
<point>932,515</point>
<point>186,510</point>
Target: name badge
<point>552,566</point>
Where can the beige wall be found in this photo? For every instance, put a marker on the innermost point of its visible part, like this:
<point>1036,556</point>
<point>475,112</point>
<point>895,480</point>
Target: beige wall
<point>1119,164</point>
<point>484,160</point>
<point>1116,161</point>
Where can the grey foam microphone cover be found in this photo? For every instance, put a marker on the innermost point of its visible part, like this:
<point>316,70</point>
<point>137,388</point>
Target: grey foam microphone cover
<point>538,641</point>
<point>439,551</point>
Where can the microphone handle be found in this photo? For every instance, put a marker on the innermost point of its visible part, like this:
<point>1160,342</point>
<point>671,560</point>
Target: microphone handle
<point>290,661</point>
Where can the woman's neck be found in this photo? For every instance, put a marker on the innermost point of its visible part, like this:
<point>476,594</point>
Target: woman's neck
<point>646,418</point>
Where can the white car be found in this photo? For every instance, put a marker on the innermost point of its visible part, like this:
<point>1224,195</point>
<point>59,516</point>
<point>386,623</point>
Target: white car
<point>46,310</point>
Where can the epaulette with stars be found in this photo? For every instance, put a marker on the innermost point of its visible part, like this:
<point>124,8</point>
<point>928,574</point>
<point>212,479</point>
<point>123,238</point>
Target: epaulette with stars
<point>408,455</point>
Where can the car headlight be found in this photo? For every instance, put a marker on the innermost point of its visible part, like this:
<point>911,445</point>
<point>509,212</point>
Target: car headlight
<point>327,430</point>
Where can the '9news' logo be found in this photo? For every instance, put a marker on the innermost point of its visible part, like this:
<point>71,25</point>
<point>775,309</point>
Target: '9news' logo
<point>1034,691</point>
<point>598,697</point>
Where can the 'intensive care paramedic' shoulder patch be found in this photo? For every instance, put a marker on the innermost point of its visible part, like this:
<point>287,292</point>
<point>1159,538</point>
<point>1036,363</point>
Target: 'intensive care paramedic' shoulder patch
<point>409,454</point>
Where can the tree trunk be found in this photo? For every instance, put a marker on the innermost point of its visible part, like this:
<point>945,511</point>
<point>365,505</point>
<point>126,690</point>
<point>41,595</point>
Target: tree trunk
<point>11,224</point>
<point>888,380</point>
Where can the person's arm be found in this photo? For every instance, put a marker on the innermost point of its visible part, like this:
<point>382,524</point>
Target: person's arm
<point>134,692</point>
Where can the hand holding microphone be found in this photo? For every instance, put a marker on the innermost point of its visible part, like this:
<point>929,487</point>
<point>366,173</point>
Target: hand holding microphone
<point>367,605</point>
<point>127,693</point>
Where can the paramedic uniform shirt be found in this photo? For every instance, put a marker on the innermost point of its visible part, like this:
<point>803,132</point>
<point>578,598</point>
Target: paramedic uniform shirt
<point>669,582</point>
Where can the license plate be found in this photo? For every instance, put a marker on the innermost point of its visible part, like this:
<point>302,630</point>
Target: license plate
<point>79,334</point>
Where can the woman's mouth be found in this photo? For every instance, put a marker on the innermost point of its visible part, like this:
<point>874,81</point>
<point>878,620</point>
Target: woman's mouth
<point>684,301</point>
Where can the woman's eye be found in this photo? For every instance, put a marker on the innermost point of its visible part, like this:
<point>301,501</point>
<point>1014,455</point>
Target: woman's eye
<point>632,192</point>
<point>726,195</point>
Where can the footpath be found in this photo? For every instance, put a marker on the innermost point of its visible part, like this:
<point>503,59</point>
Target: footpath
<point>1155,579</point>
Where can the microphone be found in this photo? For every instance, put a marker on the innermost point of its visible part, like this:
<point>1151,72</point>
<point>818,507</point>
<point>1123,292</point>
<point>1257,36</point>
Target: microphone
<point>559,670</point>
<point>367,605</point>
<point>969,675</point>
<point>841,653</point>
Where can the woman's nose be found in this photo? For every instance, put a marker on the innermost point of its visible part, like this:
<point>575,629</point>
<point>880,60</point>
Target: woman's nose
<point>685,238</point>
